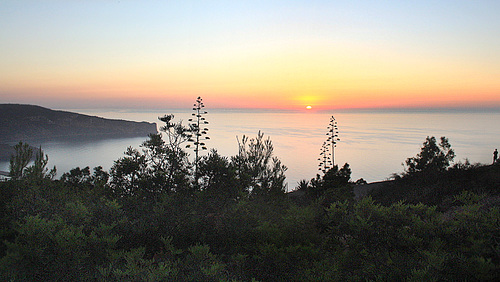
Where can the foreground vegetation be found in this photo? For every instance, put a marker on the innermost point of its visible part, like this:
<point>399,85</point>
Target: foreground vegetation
<point>156,216</point>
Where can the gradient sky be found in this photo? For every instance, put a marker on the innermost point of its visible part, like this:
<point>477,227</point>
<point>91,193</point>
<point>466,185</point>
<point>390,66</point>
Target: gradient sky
<point>250,54</point>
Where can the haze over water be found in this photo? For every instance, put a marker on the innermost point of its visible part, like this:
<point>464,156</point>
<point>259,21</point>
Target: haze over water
<point>374,143</point>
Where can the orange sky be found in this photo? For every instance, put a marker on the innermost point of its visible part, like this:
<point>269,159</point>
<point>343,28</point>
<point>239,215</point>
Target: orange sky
<point>251,55</point>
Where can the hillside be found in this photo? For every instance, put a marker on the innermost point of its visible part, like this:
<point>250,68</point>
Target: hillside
<point>35,123</point>
<point>439,189</point>
<point>32,124</point>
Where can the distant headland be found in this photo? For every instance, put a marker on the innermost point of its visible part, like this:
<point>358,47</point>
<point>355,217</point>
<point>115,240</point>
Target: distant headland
<point>32,124</point>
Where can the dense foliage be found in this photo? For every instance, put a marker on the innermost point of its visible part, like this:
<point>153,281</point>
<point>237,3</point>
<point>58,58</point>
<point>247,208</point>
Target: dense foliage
<point>150,218</point>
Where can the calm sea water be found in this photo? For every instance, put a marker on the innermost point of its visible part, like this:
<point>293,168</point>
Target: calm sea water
<point>375,144</point>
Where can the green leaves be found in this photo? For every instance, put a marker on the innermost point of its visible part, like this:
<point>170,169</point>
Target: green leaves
<point>414,241</point>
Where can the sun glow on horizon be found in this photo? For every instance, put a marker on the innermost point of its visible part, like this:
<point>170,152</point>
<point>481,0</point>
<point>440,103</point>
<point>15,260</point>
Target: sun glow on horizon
<point>253,55</point>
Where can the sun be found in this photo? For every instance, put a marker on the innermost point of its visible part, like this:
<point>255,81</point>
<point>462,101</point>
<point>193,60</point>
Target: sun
<point>309,107</point>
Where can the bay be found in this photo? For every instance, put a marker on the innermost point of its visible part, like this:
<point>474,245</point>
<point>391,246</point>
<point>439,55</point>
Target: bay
<point>374,143</point>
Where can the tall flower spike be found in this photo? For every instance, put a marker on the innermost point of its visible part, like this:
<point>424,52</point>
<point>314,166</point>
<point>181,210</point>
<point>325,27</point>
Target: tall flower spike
<point>198,134</point>
<point>328,148</point>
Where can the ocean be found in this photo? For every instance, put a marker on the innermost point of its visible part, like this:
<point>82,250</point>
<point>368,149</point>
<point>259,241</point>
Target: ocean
<point>374,143</point>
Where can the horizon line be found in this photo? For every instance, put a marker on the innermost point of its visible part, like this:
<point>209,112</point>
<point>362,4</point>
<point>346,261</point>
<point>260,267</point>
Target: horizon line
<point>313,110</point>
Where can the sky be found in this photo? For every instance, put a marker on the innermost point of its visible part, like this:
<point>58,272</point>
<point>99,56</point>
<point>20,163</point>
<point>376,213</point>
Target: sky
<point>250,54</point>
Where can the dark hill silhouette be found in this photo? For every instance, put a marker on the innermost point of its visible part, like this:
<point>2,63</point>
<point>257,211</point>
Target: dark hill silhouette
<point>34,123</point>
<point>440,188</point>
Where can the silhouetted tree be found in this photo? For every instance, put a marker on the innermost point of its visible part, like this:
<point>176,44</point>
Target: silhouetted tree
<point>127,173</point>
<point>82,177</point>
<point>433,157</point>
<point>336,177</point>
<point>258,171</point>
<point>217,179</point>
<point>167,165</point>
<point>176,135</point>
<point>162,166</point>
<point>22,157</point>
<point>76,176</point>
<point>39,168</point>
<point>335,185</point>
<point>155,170</point>
<point>20,160</point>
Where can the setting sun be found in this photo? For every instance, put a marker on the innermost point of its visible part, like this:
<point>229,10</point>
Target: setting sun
<point>238,55</point>
<point>309,107</point>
